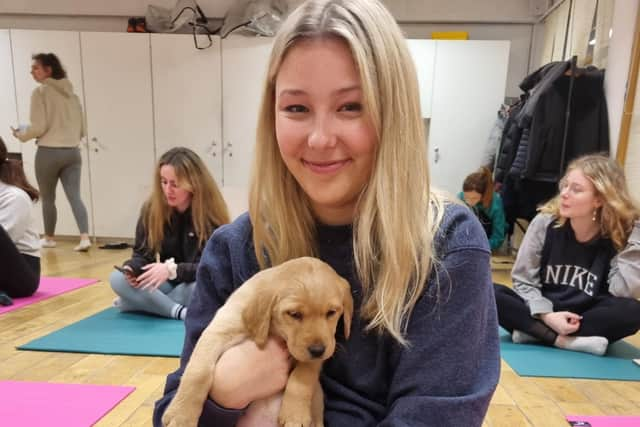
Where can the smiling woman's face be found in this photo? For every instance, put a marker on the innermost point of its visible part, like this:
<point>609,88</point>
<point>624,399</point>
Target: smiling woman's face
<point>325,137</point>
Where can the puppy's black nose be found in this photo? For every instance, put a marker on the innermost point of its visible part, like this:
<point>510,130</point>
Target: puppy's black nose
<point>316,350</point>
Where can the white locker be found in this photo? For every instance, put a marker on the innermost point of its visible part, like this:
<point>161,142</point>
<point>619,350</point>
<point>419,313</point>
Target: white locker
<point>468,89</point>
<point>117,81</point>
<point>8,109</point>
<point>244,68</point>
<point>187,98</point>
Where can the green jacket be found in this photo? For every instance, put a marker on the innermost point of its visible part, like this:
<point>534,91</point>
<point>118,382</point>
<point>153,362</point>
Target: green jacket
<point>495,213</point>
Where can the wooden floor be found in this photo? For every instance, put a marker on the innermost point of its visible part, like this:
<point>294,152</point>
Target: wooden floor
<point>518,401</point>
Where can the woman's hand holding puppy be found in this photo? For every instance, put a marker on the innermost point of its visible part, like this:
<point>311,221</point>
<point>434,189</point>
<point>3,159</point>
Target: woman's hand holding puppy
<point>235,386</point>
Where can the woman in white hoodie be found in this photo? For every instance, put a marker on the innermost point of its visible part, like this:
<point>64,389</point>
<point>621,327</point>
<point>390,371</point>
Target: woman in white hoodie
<point>57,124</point>
<point>19,244</point>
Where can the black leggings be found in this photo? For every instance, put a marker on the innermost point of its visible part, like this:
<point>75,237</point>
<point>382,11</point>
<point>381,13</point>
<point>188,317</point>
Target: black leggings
<point>20,274</point>
<point>611,317</point>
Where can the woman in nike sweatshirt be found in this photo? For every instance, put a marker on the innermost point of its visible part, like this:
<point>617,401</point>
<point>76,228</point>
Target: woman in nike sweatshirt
<point>576,278</point>
<point>57,124</point>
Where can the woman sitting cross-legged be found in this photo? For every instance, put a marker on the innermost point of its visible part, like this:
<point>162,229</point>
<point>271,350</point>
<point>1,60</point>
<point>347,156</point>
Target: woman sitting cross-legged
<point>19,240</point>
<point>576,278</point>
<point>175,223</point>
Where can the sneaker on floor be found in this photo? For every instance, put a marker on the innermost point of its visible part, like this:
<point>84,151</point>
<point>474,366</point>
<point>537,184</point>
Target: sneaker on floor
<point>47,243</point>
<point>83,246</point>
<point>5,299</point>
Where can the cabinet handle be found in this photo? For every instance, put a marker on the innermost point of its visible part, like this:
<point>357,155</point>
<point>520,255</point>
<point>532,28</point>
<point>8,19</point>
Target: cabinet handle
<point>212,148</point>
<point>97,144</point>
<point>228,149</point>
<point>436,155</point>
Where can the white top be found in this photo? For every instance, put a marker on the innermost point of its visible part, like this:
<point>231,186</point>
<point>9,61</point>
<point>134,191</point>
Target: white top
<point>17,219</point>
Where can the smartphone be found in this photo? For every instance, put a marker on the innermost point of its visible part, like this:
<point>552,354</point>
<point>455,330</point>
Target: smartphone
<point>125,271</point>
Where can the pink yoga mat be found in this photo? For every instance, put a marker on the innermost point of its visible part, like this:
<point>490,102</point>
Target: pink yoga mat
<point>602,421</point>
<point>37,404</point>
<point>49,287</point>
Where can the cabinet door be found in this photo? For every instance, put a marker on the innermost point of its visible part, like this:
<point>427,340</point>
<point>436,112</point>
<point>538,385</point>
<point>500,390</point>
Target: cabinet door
<point>117,82</point>
<point>469,87</point>
<point>423,53</point>
<point>187,98</point>
<point>244,68</point>
<point>66,45</point>
<point>8,112</point>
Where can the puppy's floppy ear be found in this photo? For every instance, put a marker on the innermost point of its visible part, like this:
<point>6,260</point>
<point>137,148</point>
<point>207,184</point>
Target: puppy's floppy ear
<point>347,307</point>
<point>256,315</point>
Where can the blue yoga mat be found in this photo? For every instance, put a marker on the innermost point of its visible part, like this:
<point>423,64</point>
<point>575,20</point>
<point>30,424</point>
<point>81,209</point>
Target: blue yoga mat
<point>113,332</point>
<point>535,360</point>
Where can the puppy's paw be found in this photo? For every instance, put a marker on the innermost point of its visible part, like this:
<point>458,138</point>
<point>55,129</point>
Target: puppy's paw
<point>294,415</point>
<point>296,424</point>
<point>176,417</point>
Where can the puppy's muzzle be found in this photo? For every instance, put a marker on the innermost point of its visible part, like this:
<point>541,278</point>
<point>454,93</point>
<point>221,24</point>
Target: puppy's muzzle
<point>316,350</point>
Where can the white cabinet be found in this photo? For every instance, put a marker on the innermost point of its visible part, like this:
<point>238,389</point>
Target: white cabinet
<point>144,94</point>
<point>117,82</point>
<point>66,45</point>
<point>187,99</point>
<point>244,69</point>
<point>468,89</point>
<point>423,53</point>
<point>8,112</point>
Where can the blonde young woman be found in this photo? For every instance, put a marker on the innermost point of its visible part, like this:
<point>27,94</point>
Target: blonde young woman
<point>175,223</point>
<point>340,173</point>
<point>577,274</point>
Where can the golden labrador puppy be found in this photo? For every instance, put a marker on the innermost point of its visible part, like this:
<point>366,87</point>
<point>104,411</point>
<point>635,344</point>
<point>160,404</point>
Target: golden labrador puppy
<point>300,301</point>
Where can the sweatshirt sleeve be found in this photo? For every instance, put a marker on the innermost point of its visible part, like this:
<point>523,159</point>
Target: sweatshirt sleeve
<point>38,118</point>
<point>142,254</point>
<point>214,284</point>
<point>526,269</point>
<point>624,275</point>
<point>15,216</point>
<point>186,271</point>
<point>447,375</point>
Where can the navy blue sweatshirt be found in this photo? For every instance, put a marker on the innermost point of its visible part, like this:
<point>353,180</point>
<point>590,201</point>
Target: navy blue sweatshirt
<point>445,378</point>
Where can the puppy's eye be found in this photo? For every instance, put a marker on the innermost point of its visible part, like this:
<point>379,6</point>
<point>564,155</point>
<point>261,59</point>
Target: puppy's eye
<point>331,313</point>
<point>295,315</point>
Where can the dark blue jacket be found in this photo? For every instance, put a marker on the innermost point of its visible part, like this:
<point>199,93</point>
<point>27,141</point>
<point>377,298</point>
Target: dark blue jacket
<point>446,377</point>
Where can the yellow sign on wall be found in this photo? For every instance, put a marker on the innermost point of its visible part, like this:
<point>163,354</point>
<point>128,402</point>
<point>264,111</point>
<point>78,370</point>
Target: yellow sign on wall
<point>450,35</point>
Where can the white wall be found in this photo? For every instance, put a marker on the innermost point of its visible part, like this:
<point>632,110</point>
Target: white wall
<point>617,75</point>
<point>403,10</point>
<point>618,60</point>
<point>484,20</point>
<point>632,163</point>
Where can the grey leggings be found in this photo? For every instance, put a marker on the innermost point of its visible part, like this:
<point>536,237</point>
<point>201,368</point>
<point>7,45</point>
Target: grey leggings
<point>162,301</point>
<point>64,164</point>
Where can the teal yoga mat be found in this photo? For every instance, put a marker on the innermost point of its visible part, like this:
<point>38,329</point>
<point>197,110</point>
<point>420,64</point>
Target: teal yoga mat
<point>534,360</point>
<point>112,332</point>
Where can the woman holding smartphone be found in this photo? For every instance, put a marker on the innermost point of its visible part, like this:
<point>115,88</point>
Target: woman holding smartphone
<point>175,223</point>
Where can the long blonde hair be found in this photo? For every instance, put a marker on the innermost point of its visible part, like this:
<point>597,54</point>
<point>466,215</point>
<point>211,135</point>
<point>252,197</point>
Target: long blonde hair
<point>618,211</point>
<point>208,208</point>
<point>395,215</point>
